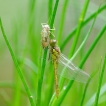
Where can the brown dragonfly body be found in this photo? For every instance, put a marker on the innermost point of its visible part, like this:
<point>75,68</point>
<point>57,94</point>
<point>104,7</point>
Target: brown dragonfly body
<point>69,70</point>
<point>55,53</point>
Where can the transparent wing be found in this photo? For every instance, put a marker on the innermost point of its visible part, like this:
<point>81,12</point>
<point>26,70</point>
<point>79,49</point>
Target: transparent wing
<point>71,72</point>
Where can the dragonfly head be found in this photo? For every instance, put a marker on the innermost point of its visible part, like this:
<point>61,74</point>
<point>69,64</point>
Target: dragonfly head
<point>53,42</point>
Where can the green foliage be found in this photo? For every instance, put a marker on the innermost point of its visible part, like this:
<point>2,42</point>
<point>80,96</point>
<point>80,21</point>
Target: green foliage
<point>31,60</point>
<point>16,65</point>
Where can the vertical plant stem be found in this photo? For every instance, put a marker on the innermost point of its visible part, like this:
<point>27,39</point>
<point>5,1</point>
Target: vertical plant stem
<point>81,19</point>
<point>44,59</point>
<point>85,39</point>
<point>50,82</point>
<point>31,20</point>
<point>50,6</point>
<point>40,78</point>
<point>86,86</point>
<point>94,72</point>
<point>17,66</point>
<point>100,82</point>
<point>92,46</point>
<point>59,35</point>
<point>103,7</point>
<point>80,47</point>
<point>17,94</point>
<point>54,14</point>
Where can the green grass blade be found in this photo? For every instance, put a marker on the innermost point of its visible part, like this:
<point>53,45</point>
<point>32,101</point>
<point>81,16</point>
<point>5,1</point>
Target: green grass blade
<point>5,97</point>
<point>86,37</point>
<point>50,6</point>
<point>92,98</point>
<point>100,82</point>
<point>10,85</point>
<point>40,80</point>
<point>79,49</point>
<point>17,66</point>
<point>92,46</point>
<point>40,77</point>
<point>81,19</point>
<point>49,82</point>
<point>87,84</point>
<point>31,20</point>
<point>17,94</point>
<point>69,36</point>
<point>54,14</point>
<point>29,64</point>
<point>61,80</point>
<point>103,7</point>
<point>32,4</point>
<point>59,35</point>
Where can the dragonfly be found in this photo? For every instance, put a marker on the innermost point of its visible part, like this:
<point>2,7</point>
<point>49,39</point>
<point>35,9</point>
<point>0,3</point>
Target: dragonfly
<point>71,71</point>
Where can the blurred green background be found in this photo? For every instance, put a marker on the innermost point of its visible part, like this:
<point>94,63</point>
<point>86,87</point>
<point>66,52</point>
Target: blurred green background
<point>22,23</point>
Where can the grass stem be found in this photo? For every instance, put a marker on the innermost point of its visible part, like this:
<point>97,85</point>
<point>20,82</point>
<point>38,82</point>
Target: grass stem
<point>69,36</point>
<point>81,19</point>
<point>40,80</point>
<point>100,82</point>
<point>17,66</point>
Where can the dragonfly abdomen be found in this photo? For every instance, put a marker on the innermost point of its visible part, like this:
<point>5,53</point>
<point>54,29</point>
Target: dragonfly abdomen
<point>55,52</point>
<point>56,78</point>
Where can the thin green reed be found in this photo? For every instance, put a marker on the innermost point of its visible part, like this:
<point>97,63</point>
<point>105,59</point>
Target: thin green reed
<point>17,94</point>
<point>69,36</point>
<point>88,82</point>
<point>31,21</point>
<point>61,81</point>
<point>100,82</point>
<point>81,19</point>
<point>59,35</point>
<point>31,9</point>
<point>11,85</point>
<point>94,72</point>
<point>40,77</point>
<point>54,14</point>
<point>17,66</point>
<point>80,47</point>
<point>50,8</point>
<point>92,46</point>
<point>49,82</point>
<point>87,35</point>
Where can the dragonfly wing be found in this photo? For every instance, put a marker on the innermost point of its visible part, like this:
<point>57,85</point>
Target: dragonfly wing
<point>71,72</point>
